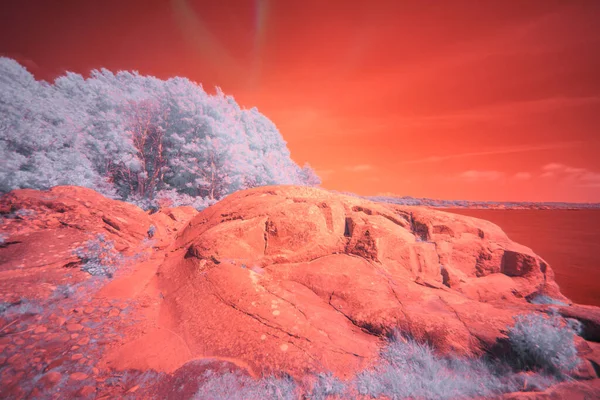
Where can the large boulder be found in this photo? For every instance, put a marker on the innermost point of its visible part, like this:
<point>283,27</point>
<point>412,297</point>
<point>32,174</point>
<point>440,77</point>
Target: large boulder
<point>268,280</point>
<point>300,279</point>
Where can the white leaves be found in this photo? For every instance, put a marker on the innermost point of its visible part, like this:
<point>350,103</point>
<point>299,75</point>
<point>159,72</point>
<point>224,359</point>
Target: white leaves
<point>135,135</point>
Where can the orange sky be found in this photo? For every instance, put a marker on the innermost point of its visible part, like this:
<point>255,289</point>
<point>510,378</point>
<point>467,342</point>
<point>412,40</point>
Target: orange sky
<point>480,100</point>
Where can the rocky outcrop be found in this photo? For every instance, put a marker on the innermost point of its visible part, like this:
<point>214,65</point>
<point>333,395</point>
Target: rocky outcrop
<point>271,279</point>
<point>317,279</point>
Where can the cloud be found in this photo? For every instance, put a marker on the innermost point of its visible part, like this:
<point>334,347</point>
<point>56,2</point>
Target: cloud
<point>359,168</point>
<point>553,167</point>
<point>477,176</point>
<point>575,175</point>
<point>505,150</point>
<point>522,176</point>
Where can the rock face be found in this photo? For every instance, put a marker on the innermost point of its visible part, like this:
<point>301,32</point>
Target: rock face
<point>282,278</point>
<point>302,279</point>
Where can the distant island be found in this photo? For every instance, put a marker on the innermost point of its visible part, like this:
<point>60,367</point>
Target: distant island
<point>418,201</point>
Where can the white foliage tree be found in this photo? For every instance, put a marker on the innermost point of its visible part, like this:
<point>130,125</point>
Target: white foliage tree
<point>136,137</point>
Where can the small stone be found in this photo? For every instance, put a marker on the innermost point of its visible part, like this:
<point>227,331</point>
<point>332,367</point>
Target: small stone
<point>14,358</point>
<point>114,312</point>
<point>74,327</point>
<point>19,341</point>
<point>133,389</point>
<point>40,329</point>
<point>60,321</point>
<point>95,371</point>
<point>78,376</point>
<point>52,377</point>
<point>74,335</point>
<point>56,363</point>
<point>50,336</point>
<point>88,310</point>
<point>86,391</point>
<point>83,341</point>
<point>76,356</point>
<point>63,338</point>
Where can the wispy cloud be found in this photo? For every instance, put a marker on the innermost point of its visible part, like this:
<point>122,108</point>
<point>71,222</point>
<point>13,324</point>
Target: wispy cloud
<point>505,150</point>
<point>359,168</point>
<point>576,175</point>
<point>477,176</point>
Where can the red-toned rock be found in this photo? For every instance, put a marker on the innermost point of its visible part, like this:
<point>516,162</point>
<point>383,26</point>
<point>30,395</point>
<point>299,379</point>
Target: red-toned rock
<point>61,219</point>
<point>78,376</point>
<point>51,378</point>
<point>40,329</point>
<point>86,391</point>
<point>317,279</point>
<point>272,279</point>
<point>586,390</point>
<point>74,327</point>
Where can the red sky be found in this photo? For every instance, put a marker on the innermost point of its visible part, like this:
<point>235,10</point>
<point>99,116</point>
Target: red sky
<point>480,100</point>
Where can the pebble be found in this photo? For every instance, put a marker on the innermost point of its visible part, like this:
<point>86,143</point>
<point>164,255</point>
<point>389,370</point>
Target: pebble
<point>133,389</point>
<point>86,391</point>
<point>52,377</point>
<point>78,376</point>
<point>74,327</point>
<point>40,329</point>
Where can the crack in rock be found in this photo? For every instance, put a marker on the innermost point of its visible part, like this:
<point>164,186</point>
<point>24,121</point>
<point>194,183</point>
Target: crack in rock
<point>253,316</point>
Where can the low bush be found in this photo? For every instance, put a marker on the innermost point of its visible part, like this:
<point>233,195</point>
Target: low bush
<point>99,257</point>
<point>236,386</point>
<point>544,299</point>
<point>409,369</point>
<point>543,343</point>
<point>20,308</point>
<point>326,385</point>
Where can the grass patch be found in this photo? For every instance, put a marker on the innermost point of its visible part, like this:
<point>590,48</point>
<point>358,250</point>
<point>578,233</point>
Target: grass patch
<point>544,343</point>
<point>99,257</point>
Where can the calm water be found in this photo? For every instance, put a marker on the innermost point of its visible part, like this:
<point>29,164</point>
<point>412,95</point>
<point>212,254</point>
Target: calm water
<point>568,239</point>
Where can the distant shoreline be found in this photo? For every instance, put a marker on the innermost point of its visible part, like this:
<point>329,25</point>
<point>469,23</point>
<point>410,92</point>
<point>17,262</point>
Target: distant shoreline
<point>486,205</point>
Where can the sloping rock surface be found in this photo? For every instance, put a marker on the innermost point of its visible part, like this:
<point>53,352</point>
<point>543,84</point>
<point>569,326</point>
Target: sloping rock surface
<point>281,278</point>
<point>315,280</point>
